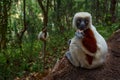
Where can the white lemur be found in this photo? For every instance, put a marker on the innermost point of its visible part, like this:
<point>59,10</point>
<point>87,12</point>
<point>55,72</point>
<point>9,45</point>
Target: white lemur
<point>87,48</point>
<point>43,35</point>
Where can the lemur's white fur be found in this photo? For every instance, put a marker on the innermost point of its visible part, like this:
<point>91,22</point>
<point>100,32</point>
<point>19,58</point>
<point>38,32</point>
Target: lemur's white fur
<point>41,36</point>
<point>77,50</point>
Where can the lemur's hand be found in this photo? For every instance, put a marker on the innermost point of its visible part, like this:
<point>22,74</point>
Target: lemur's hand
<point>79,34</point>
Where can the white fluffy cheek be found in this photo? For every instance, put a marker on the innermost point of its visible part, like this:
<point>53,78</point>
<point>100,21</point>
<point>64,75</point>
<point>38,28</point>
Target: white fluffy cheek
<point>74,23</point>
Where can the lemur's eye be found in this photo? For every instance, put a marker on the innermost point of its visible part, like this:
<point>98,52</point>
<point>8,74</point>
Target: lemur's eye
<point>86,21</point>
<point>79,20</point>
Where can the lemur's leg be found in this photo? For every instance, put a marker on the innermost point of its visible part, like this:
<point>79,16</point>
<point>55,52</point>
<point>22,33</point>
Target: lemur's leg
<point>72,56</point>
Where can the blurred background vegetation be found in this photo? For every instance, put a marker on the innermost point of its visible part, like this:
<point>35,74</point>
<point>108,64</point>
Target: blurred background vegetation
<point>22,20</point>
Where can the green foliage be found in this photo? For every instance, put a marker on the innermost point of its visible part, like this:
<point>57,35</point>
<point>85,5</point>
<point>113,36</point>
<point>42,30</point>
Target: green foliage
<point>106,30</point>
<point>15,62</point>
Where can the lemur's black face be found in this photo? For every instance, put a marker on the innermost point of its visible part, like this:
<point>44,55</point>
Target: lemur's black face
<point>82,23</point>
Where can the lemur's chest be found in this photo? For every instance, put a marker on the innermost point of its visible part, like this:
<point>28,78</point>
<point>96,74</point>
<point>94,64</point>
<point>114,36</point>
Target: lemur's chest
<point>90,44</point>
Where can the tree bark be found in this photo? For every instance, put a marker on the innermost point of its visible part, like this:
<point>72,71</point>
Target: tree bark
<point>45,10</point>
<point>112,10</point>
<point>5,7</point>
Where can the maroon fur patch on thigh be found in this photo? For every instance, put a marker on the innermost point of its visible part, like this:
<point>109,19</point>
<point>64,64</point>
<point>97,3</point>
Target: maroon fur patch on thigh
<point>89,59</point>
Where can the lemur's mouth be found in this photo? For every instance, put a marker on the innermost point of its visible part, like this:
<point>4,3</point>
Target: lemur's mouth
<point>82,29</point>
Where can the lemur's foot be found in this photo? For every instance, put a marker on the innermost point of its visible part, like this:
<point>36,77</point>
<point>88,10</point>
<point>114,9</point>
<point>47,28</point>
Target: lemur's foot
<point>69,57</point>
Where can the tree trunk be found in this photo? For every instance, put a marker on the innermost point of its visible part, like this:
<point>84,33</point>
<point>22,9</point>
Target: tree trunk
<point>4,27</point>
<point>112,10</point>
<point>58,14</point>
<point>5,7</point>
<point>45,10</point>
<point>21,33</point>
<point>97,10</point>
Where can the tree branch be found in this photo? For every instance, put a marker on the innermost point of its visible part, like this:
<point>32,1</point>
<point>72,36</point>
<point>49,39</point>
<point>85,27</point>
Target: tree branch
<point>41,5</point>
